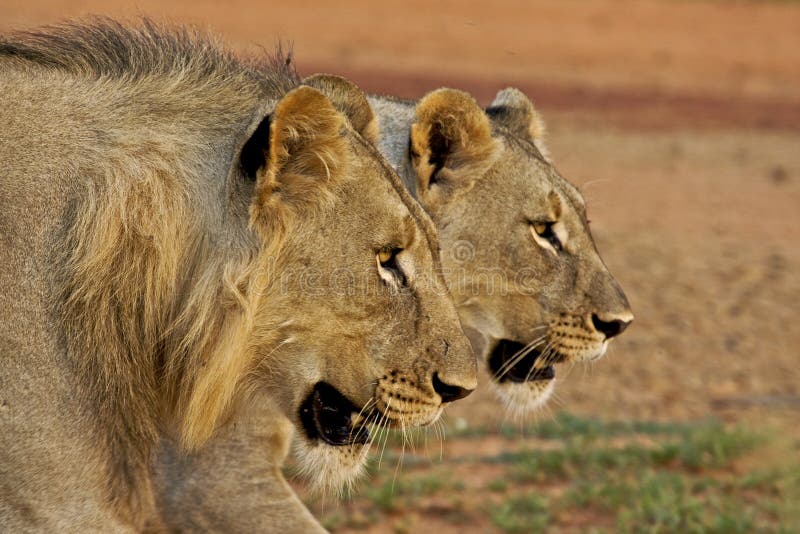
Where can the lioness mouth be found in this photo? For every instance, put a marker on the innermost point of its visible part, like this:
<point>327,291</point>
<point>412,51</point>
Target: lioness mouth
<point>524,370</point>
<point>328,415</point>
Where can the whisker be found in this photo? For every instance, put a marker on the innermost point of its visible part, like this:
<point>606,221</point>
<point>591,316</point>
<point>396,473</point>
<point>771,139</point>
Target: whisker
<point>386,430</point>
<point>440,434</point>
<point>583,188</point>
<point>375,428</point>
<point>544,357</point>
<point>369,402</point>
<point>383,427</point>
<point>399,464</point>
<point>371,384</point>
<point>518,356</point>
<point>426,431</point>
<point>523,352</point>
<point>515,358</point>
<point>556,400</point>
<point>568,370</point>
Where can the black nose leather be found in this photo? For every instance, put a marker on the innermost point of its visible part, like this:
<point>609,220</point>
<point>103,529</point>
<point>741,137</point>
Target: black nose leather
<point>447,392</point>
<point>609,328</point>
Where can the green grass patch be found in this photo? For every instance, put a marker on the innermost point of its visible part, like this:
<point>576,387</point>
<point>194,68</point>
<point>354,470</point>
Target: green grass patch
<point>402,491</point>
<point>661,502</point>
<point>709,446</point>
<point>591,475</point>
<point>497,486</point>
<point>567,426</point>
<point>526,513</point>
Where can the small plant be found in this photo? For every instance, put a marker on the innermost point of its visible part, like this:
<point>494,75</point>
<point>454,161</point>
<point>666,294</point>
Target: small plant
<point>497,486</point>
<point>585,475</point>
<point>527,513</point>
<point>383,496</point>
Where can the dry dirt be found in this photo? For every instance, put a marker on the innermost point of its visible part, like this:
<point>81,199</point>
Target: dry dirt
<point>680,120</point>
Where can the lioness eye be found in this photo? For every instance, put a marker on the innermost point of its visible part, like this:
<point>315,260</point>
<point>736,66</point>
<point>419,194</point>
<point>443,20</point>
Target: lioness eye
<point>387,262</point>
<point>384,256</point>
<point>544,229</point>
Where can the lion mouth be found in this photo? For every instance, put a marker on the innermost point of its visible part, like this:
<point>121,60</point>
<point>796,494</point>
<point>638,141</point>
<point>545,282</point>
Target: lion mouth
<point>505,368</point>
<point>329,416</point>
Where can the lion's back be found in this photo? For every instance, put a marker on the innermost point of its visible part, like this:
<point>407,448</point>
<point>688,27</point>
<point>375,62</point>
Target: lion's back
<point>48,135</point>
<point>36,396</point>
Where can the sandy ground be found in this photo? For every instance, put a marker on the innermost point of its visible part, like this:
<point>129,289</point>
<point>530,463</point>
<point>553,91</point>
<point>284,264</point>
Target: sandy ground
<point>680,120</point>
<point>740,60</point>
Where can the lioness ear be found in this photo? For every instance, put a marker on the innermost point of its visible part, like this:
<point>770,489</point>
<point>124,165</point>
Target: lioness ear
<point>513,110</point>
<point>294,156</point>
<point>350,100</point>
<point>451,140</point>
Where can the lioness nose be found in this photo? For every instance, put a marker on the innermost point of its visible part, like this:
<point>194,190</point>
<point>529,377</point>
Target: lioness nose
<point>447,392</point>
<point>611,328</point>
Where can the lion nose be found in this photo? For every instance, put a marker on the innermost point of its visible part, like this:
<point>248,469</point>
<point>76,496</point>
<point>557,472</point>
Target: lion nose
<point>447,392</point>
<point>611,328</point>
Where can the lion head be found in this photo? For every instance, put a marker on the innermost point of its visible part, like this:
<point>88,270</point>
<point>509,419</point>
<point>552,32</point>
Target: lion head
<point>529,284</point>
<point>350,323</point>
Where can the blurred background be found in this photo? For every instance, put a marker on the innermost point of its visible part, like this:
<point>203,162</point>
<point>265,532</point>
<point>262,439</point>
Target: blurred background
<point>680,122</point>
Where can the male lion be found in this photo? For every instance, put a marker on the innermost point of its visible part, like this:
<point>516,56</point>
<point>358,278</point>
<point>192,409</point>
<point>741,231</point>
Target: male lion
<point>174,223</point>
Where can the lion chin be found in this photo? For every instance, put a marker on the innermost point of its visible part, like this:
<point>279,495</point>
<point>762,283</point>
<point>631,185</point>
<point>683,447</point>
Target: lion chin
<point>330,469</point>
<point>523,377</point>
<point>333,443</point>
<point>521,399</point>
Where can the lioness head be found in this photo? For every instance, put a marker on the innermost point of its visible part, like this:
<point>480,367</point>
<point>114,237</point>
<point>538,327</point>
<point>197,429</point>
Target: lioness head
<point>349,320</point>
<point>529,284</point>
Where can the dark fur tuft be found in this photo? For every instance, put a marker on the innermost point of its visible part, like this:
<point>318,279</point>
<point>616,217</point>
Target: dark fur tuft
<point>103,47</point>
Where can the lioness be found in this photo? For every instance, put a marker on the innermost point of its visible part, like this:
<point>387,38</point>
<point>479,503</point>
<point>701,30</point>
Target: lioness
<point>172,222</point>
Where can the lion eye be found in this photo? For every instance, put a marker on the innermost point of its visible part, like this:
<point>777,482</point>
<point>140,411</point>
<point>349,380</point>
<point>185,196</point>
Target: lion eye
<point>385,256</point>
<point>387,263</point>
<point>545,231</point>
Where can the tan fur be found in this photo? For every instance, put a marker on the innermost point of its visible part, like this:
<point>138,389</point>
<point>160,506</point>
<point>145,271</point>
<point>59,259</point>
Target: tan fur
<point>521,118</point>
<point>150,288</point>
<point>452,117</point>
<point>251,452</point>
<point>303,118</point>
<point>348,98</point>
<point>495,179</point>
<point>509,283</point>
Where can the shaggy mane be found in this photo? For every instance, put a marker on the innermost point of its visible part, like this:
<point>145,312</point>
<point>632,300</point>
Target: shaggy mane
<point>103,47</point>
<point>157,277</point>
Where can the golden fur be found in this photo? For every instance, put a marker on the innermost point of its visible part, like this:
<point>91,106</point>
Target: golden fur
<point>348,98</point>
<point>449,120</point>
<point>508,282</point>
<point>490,182</point>
<point>182,185</point>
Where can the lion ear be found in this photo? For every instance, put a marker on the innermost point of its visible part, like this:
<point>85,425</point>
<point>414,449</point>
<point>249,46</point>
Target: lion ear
<point>350,100</point>
<point>513,110</point>
<point>451,140</point>
<point>294,155</point>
